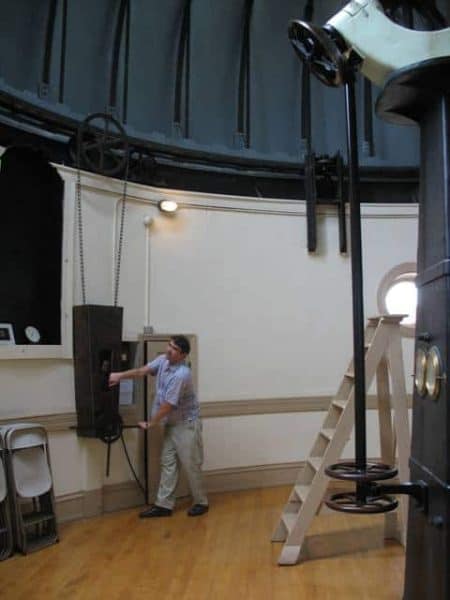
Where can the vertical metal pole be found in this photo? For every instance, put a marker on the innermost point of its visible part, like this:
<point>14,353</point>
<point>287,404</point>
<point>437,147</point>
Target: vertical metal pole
<point>369,145</point>
<point>341,204</point>
<point>145,430</point>
<point>357,278</point>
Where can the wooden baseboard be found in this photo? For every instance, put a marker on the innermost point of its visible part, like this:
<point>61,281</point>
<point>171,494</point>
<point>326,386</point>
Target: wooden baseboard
<point>120,496</point>
<point>110,498</point>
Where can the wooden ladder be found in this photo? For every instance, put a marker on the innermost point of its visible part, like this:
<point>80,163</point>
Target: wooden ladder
<point>383,356</point>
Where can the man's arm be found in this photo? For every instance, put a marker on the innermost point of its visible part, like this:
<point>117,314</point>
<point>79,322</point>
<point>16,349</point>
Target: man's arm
<point>115,378</point>
<point>163,411</point>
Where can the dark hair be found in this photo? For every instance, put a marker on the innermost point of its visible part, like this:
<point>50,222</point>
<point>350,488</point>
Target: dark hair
<point>182,342</point>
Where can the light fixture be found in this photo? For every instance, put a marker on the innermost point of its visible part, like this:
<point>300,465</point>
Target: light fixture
<point>168,206</point>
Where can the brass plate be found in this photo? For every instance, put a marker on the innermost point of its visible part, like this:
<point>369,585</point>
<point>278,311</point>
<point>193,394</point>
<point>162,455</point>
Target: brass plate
<point>420,372</point>
<point>433,372</point>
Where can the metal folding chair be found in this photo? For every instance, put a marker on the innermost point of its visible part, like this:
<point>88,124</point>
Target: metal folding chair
<point>31,486</point>
<point>6,530</point>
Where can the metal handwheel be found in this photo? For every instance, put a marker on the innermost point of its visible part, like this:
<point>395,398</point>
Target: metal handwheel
<point>351,471</point>
<point>350,502</point>
<point>316,48</point>
<point>102,144</point>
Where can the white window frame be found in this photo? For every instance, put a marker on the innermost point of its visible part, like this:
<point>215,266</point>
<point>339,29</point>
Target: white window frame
<point>403,272</point>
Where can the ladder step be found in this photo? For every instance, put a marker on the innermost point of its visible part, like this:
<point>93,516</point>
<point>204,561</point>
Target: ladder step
<point>315,462</point>
<point>307,495</point>
<point>393,318</point>
<point>374,320</point>
<point>341,404</point>
<point>327,433</point>
<point>289,520</point>
<point>302,491</point>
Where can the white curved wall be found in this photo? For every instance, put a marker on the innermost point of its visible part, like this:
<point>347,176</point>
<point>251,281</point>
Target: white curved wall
<point>272,321</point>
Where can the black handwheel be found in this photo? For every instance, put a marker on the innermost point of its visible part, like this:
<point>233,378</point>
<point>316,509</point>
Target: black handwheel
<point>109,428</point>
<point>351,503</point>
<point>316,48</point>
<point>370,472</point>
<point>102,144</point>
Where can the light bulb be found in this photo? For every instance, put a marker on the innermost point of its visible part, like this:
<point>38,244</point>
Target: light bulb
<point>168,206</point>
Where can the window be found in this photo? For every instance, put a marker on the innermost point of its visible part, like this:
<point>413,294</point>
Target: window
<point>35,246</point>
<point>397,294</point>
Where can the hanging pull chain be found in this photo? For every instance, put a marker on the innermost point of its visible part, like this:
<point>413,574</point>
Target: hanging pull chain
<point>80,228</point>
<point>121,229</point>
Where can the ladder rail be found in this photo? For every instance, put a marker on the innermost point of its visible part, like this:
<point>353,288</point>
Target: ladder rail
<point>383,354</point>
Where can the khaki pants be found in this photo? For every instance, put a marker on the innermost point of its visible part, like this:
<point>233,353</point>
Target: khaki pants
<point>182,444</point>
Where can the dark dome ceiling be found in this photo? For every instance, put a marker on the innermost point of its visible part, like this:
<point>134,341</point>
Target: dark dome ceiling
<point>200,85</point>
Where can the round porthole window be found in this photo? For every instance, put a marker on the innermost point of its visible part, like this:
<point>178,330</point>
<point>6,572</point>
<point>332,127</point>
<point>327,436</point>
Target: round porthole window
<point>397,295</point>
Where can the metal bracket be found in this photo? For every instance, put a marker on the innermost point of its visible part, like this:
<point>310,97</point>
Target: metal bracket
<point>324,184</point>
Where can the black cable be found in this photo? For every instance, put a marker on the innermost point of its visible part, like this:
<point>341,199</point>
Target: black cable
<point>131,466</point>
<point>369,144</point>
<point>108,458</point>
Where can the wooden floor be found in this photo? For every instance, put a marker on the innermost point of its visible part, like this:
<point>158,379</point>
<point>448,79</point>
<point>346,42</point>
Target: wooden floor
<point>225,554</point>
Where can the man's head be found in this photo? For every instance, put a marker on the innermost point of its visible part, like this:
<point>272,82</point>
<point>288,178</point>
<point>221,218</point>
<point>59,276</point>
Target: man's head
<point>177,349</point>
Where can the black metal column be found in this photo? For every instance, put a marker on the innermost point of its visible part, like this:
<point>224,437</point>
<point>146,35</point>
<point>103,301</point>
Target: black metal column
<point>421,95</point>
<point>357,279</point>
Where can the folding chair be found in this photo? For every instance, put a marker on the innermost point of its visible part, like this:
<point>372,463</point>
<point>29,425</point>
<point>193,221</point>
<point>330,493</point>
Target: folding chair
<point>31,486</point>
<point>6,531</point>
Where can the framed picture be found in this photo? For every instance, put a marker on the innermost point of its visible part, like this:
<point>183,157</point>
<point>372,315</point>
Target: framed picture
<point>6,334</point>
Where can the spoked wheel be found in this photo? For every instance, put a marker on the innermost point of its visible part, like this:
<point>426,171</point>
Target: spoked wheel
<point>351,503</point>
<point>370,472</point>
<point>316,48</point>
<point>102,144</point>
<point>109,428</point>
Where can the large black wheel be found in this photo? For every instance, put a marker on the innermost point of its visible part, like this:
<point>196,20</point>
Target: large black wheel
<point>102,145</point>
<point>371,471</point>
<point>317,50</point>
<point>351,503</point>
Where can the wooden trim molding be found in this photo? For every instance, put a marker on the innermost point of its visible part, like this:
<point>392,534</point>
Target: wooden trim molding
<point>209,410</point>
<point>120,496</point>
<point>90,503</point>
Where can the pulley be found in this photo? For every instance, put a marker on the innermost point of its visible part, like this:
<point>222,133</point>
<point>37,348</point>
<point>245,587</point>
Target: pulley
<point>101,145</point>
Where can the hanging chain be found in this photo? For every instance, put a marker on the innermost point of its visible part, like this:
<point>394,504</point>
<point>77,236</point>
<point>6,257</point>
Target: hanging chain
<point>80,225</point>
<point>80,230</point>
<point>121,229</point>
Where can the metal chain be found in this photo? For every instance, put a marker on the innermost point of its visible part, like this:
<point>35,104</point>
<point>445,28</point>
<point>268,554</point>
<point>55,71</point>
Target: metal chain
<point>80,228</point>
<point>121,228</point>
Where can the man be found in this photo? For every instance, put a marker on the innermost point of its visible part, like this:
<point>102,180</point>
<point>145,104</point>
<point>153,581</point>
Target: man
<point>176,407</point>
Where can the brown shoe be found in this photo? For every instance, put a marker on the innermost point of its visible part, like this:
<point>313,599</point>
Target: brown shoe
<point>155,511</point>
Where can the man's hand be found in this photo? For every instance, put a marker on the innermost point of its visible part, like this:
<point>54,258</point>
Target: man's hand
<point>145,424</point>
<point>114,379</point>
